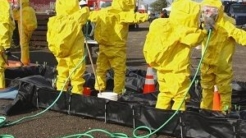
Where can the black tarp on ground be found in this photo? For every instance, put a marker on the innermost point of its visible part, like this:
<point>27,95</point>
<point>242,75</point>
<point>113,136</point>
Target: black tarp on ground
<point>155,118</point>
<point>132,109</point>
<point>208,127</point>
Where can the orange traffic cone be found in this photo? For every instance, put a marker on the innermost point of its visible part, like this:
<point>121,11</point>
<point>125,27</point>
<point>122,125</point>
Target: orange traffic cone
<point>149,85</point>
<point>216,100</point>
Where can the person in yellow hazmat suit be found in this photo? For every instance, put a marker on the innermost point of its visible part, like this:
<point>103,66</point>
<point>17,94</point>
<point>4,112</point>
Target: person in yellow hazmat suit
<point>167,49</point>
<point>6,30</point>
<point>66,42</point>
<point>27,23</point>
<point>216,67</point>
<point>111,31</point>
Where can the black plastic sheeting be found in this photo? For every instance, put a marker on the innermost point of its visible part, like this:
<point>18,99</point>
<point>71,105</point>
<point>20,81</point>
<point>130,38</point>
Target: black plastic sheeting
<point>133,109</point>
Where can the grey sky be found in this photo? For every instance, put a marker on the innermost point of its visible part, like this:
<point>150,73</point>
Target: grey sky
<point>150,1</point>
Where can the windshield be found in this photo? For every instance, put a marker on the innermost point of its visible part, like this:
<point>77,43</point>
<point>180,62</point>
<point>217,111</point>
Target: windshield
<point>239,8</point>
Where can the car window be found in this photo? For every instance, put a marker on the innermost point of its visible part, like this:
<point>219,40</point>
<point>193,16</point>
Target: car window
<point>239,8</point>
<point>104,4</point>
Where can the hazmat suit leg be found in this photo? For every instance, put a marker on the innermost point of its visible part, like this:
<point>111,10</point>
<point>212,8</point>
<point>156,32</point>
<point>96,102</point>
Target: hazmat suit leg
<point>164,100</point>
<point>173,87</point>
<point>182,95</point>
<point>207,83</point>
<point>102,66</point>
<point>225,91</point>
<point>114,58</point>
<point>68,65</point>
<point>77,80</point>
<point>2,69</point>
<point>118,64</point>
<point>224,75</point>
<point>63,73</point>
<point>24,43</point>
<point>2,76</point>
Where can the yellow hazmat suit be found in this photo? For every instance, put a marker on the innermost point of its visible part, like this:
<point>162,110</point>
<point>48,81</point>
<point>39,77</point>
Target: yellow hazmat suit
<point>27,23</point>
<point>111,31</point>
<point>66,42</point>
<point>216,68</point>
<point>6,31</point>
<point>167,49</point>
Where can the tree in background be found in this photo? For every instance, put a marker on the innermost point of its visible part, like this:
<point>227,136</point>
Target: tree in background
<point>158,5</point>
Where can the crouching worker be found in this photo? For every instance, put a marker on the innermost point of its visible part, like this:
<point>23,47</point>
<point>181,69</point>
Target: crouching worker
<point>167,49</point>
<point>111,31</point>
<point>6,30</point>
<point>66,42</point>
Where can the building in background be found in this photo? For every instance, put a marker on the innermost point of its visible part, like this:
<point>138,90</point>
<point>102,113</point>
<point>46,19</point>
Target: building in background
<point>43,6</point>
<point>47,6</point>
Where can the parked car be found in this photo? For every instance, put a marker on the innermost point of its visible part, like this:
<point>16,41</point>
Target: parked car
<point>238,12</point>
<point>227,5</point>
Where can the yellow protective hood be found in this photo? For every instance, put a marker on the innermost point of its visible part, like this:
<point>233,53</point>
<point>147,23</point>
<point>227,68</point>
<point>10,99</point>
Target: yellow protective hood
<point>66,7</point>
<point>124,5</point>
<point>215,3</point>
<point>185,12</point>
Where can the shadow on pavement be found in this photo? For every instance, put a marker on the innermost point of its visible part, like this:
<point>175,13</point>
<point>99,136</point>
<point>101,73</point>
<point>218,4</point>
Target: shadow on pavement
<point>135,62</point>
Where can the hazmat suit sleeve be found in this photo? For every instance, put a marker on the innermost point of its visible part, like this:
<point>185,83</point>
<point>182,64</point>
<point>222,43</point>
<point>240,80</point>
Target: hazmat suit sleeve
<point>229,19</point>
<point>192,36</point>
<point>82,15</point>
<point>131,17</point>
<point>237,34</point>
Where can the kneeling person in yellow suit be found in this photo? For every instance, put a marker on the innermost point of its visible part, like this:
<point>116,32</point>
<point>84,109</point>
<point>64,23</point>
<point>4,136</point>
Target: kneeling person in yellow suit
<point>66,42</point>
<point>167,49</point>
